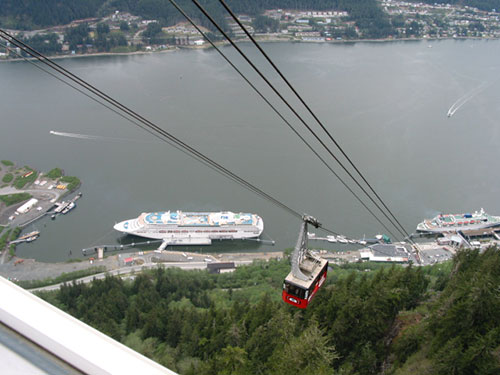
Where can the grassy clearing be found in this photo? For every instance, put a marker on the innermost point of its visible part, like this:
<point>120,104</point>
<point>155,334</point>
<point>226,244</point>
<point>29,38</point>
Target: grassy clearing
<point>55,173</point>
<point>8,178</point>
<point>74,182</point>
<point>4,239</point>
<point>22,180</point>
<point>15,233</point>
<point>11,199</point>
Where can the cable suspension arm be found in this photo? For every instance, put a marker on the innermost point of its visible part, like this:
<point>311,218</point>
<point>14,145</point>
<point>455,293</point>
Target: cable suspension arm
<point>300,250</point>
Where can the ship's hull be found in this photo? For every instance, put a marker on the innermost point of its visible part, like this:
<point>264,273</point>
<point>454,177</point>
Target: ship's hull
<point>192,228</point>
<point>455,228</point>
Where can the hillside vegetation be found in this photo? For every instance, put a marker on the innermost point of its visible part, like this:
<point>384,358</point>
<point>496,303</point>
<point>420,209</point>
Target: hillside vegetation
<point>32,14</point>
<point>459,333</point>
<point>435,320</point>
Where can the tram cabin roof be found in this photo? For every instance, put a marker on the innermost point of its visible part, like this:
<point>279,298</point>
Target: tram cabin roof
<point>309,268</point>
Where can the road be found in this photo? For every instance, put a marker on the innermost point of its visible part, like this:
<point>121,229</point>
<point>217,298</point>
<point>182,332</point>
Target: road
<point>128,270</point>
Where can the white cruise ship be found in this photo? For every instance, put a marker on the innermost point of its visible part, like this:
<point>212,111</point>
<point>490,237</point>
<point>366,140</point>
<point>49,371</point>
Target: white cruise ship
<point>193,228</point>
<point>459,222</point>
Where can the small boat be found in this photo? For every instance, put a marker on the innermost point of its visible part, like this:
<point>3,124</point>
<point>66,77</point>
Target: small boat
<point>27,236</point>
<point>69,207</point>
<point>331,239</point>
<point>342,239</point>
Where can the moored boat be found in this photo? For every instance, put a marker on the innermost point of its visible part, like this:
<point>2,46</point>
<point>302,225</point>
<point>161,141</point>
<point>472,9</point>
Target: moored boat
<point>459,222</point>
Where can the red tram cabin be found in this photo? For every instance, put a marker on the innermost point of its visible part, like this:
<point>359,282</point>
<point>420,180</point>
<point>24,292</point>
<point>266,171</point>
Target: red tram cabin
<point>298,292</point>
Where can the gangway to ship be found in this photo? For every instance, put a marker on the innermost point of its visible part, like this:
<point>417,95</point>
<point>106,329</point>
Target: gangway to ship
<point>308,272</point>
<point>163,245</point>
<point>461,235</point>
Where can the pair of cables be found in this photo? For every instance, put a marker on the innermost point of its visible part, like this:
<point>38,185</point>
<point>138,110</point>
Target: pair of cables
<point>356,176</point>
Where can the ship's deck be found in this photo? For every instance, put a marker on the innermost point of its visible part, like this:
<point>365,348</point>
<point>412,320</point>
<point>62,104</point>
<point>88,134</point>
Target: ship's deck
<point>197,218</point>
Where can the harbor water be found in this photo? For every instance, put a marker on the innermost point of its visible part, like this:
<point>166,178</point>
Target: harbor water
<point>387,104</point>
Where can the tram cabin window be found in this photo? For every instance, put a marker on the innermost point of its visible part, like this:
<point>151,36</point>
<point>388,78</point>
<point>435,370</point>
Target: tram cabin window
<point>295,290</point>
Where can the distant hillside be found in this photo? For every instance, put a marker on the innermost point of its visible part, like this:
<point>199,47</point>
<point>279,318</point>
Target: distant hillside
<point>30,14</point>
<point>33,14</point>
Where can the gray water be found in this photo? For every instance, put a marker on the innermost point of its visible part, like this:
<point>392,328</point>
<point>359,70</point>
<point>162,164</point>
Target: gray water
<point>386,104</point>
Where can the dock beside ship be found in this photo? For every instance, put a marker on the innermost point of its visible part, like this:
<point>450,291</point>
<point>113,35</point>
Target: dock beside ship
<point>65,206</point>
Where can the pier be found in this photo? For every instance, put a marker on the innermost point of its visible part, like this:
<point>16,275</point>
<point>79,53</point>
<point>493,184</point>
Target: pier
<point>94,249</point>
<point>163,245</point>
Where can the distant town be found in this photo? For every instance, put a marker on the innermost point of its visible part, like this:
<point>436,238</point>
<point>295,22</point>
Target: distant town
<point>122,32</point>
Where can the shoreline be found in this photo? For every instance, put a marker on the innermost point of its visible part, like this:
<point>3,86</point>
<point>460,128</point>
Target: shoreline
<point>266,39</point>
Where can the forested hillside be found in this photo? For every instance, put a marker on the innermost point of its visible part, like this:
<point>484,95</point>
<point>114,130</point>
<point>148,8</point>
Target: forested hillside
<point>459,333</point>
<point>400,320</point>
<point>32,14</point>
<point>370,19</point>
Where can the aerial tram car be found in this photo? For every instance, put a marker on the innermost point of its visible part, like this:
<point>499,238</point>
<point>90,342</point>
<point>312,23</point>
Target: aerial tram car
<point>308,272</point>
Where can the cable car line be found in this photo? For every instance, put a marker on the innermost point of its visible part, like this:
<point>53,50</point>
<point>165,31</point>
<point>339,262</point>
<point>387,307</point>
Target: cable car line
<point>300,288</point>
<point>153,127</point>
<point>403,232</point>
<point>223,3</point>
<point>169,138</point>
<point>279,114</point>
<point>26,48</point>
<point>303,259</point>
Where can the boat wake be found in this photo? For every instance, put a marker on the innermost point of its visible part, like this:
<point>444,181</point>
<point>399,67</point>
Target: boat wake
<point>98,137</point>
<point>464,99</point>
